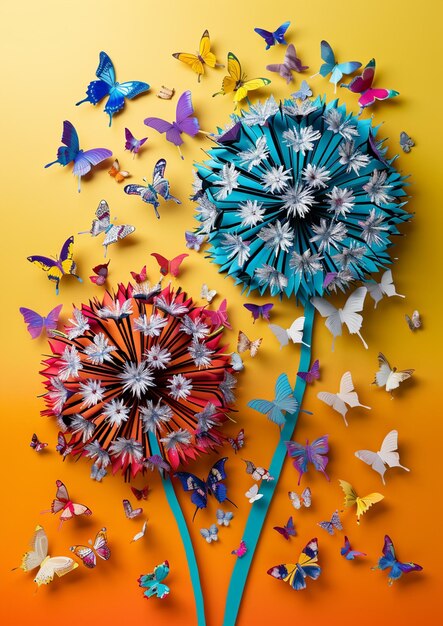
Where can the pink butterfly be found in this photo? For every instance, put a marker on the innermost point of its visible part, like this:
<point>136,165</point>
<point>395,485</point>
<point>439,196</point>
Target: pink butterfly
<point>169,267</point>
<point>132,144</point>
<point>62,446</point>
<point>140,494</point>
<point>141,277</point>
<point>63,503</point>
<point>36,444</point>
<point>36,323</point>
<point>241,550</point>
<point>129,511</point>
<point>237,442</point>
<point>363,85</point>
<point>288,530</point>
<point>312,374</point>
<point>88,553</point>
<point>219,317</point>
<point>101,272</point>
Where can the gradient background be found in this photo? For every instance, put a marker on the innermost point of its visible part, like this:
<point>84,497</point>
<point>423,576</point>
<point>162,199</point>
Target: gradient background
<point>50,52</point>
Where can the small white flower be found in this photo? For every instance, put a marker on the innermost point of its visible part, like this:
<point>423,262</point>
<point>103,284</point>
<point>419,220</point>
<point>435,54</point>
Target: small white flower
<point>336,124</point>
<point>316,176</point>
<point>301,140</point>
<point>99,351</point>
<point>180,437</point>
<point>71,363</point>
<point>92,392</point>
<point>205,421</point>
<point>236,247</point>
<point>173,307</point>
<point>146,291</point>
<point>116,412</point>
<point>195,327</point>
<point>306,263</point>
<point>137,378</point>
<point>256,155</point>
<point>200,354</point>
<point>351,255</point>
<point>277,236</point>
<point>267,275</point>
<point>354,159</point>
<point>116,311</point>
<point>79,323</point>
<point>154,416</point>
<point>259,113</point>
<point>95,451</point>
<point>227,385</point>
<point>372,229</point>
<point>208,214</point>
<point>341,201</point>
<point>300,108</point>
<point>128,449</point>
<point>328,234</point>
<point>81,425</point>
<point>251,213</point>
<point>377,189</point>
<point>58,394</point>
<point>275,179</point>
<point>151,327</point>
<point>179,387</point>
<point>228,182</point>
<point>158,357</point>
<point>298,200</point>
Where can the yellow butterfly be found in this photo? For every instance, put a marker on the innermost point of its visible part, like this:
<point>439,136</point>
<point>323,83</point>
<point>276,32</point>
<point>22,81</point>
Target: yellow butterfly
<point>363,504</point>
<point>198,61</point>
<point>57,268</point>
<point>236,81</point>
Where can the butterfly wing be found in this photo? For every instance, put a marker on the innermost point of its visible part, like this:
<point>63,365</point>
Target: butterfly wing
<point>384,372</point>
<point>86,554</point>
<point>250,85</point>
<point>284,398</point>
<point>216,475</point>
<point>241,550</point>
<point>38,552</point>
<point>353,305</point>
<point>68,152</point>
<point>186,121</point>
<point>231,82</point>
<point>371,95</point>
<point>163,263</point>
<point>388,451</point>
<point>365,503</point>
<point>34,321</point>
<point>326,309</point>
<point>101,545</point>
<point>192,61</point>
<point>374,460</point>
<point>262,406</point>
<point>117,232</point>
<point>279,33</point>
<point>348,490</point>
<point>205,50</point>
<point>281,334</point>
<point>59,565</point>
<point>190,482</point>
<point>267,36</point>
<point>129,511</point>
<point>88,159</point>
<point>295,331</point>
<point>161,126</point>
<point>361,84</point>
<point>327,54</point>
<point>175,263</point>
<point>308,560</point>
<point>299,455</point>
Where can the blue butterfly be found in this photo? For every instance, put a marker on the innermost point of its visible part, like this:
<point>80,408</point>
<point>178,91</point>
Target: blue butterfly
<point>224,518</point>
<point>330,66</point>
<point>107,86</point>
<point>296,573</point>
<point>304,92</point>
<point>151,192</point>
<point>284,401</point>
<point>278,36</point>
<point>153,582</point>
<point>390,561</point>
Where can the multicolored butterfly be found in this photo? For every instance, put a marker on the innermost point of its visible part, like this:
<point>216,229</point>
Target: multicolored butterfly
<point>363,85</point>
<point>306,567</point>
<point>62,446</point>
<point>362,504</point>
<point>291,63</point>
<point>275,37</point>
<point>83,161</point>
<point>241,550</point>
<point>244,344</point>
<point>89,554</point>
<point>141,494</point>
<point>304,498</point>
<point>258,311</point>
<point>129,511</point>
<point>330,65</point>
<point>237,442</point>
<point>257,473</point>
<point>284,402</point>
<point>385,287</point>
<point>414,322</point>
<point>193,241</point>
<point>224,518</point>
<point>333,524</point>
<point>220,317</point>
<point>390,561</point>
<point>117,173</point>
<point>288,530</point>
<point>236,82</point>
<point>198,61</point>
<point>406,143</point>
<point>387,456</point>
<point>57,268</point>
<point>159,187</point>
<point>106,85</point>
<point>315,453</point>
<point>348,553</point>
<point>102,224</point>
<point>62,502</point>
<point>37,323</point>
<point>389,377</point>
<point>36,444</point>
<point>169,266</point>
<point>210,534</point>
<point>345,397</point>
<point>312,374</point>
<point>153,582</point>
<point>101,274</point>
<point>132,144</point>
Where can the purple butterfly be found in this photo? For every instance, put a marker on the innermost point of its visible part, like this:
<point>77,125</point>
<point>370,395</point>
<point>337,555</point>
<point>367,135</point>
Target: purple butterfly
<point>290,62</point>
<point>390,561</point>
<point>315,453</point>
<point>57,268</point>
<point>348,552</point>
<point>84,161</point>
<point>259,310</point>
<point>193,241</point>
<point>36,323</point>
<point>288,530</point>
<point>185,122</point>
<point>312,374</point>
<point>272,38</point>
<point>333,524</point>
<point>132,144</point>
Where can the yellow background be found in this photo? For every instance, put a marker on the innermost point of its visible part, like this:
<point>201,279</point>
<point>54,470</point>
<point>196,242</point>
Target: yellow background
<point>49,53</point>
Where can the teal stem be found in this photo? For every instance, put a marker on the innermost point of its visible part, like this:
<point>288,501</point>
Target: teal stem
<point>184,533</point>
<point>260,508</point>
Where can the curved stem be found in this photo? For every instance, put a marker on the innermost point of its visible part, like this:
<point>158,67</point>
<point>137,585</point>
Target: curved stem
<point>184,533</point>
<point>260,508</point>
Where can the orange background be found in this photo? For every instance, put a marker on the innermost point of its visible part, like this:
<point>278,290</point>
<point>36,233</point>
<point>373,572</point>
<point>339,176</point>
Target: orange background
<point>50,52</point>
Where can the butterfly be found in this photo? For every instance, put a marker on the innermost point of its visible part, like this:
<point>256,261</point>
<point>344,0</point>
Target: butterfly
<point>315,453</point>
<point>129,511</point>
<point>290,62</point>
<point>118,173</point>
<point>101,273</point>
<point>363,85</point>
<point>206,293</point>
<point>296,574</point>
<point>102,224</point>
<point>36,444</point>
<point>414,321</point>
<point>237,362</point>
<point>141,494</point>
<point>185,122</point>
<point>273,38</point>
<point>241,550</point>
<point>284,401</point>
<point>333,524</point>
<point>159,187</point>
<point>201,489</point>
<point>140,277</point>
<point>165,93</point>
<point>406,143</point>
<point>83,161</point>
<point>387,455</point>
<point>329,278</point>
<point>288,530</point>
<point>237,442</point>
<point>198,61</point>
<point>236,82</point>
<point>48,566</point>
<point>348,315</point>
<point>36,323</point>
<point>304,498</point>
<point>257,473</point>
<point>106,85</point>
<point>245,344</point>
<point>57,268</point>
<point>153,582</point>
<point>62,446</point>
<point>210,534</point>
<point>224,518</point>
<point>390,561</point>
<point>220,317</point>
<point>97,472</point>
<point>389,377</point>
<point>384,288</point>
<point>62,502</point>
<point>349,553</point>
<point>169,267</point>
<point>330,66</point>
<point>140,534</point>
<point>132,144</point>
<point>258,311</point>
<point>312,374</point>
<point>362,504</point>
<point>193,241</point>
<point>346,396</point>
<point>293,333</point>
<point>304,92</point>
<point>88,554</point>
<point>253,495</point>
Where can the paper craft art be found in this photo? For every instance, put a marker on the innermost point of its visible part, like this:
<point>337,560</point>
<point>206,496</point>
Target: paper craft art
<point>58,267</point>
<point>259,311</point>
<point>333,524</point>
<point>363,86</point>
<point>414,322</point>
<point>390,562</point>
<point>346,397</point>
<point>37,323</point>
<point>132,144</point>
<point>193,241</point>
<point>305,498</point>
<point>62,502</point>
<point>62,446</point>
<point>89,554</point>
<point>291,63</point>
<point>129,511</point>
<point>140,277</point>
<point>406,143</point>
<point>224,518</point>
<point>210,534</point>
<point>141,494</point>
<point>198,61</point>
<point>284,402</point>
<point>386,456</point>
<point>389,377</point>
<point>140,534</point>
<point>304,92</point>
<point>241,550</point>
<point>237,362</point>
<point>253,495</point>
<point>315,453</point>
<point>101,273</point>
<point>294,333</point>
<point>102,224</point>
<point>296,574</point>
<point>167,266</point>
<point>165,93</point>
<point>244,344</point>
<point>348,315</point>
<point>207,294</point>
<point>219,318</point>
<point>275,37</point>
<point>288,530</point>
<point>238,442</point>
<point>36,444</point>
<point>237,84</point>
<point>330,65</point>
<point>257,473</point>
<point>362,504</point>
<point>385,287</point>
<point>153,582</point>
<point>117,173</point>
<point>348,553</point>
<point>312,374</point>
<point>151,192</point>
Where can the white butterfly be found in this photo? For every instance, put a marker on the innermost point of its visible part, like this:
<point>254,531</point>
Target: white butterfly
<point>252,494</point>
<point>210,534</point>
<point>387,455</point>
<point>414,321</point>
<point>245,344</point>
<point>49,565</point>
<point>293,333</point>
<point>389,377</point>
<point>347,315</point>
<point>237,362</point>
<point>346,396</point>
<point>385,287</point>
<point>141,534</point>
<point>224,518</point>
<point>304,498</point>
<point>206,293</point>
<point>102,224</point>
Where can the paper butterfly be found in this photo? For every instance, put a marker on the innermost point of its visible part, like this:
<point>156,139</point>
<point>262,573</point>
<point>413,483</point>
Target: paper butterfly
<point>169,267</point>
<point>312,374</point>
<point>253,495</point>
<point>362,504</point>
<point>330,66</point>
<point>210,534</point>
<point>62,446</point>
<point>258,311</point>
<point>159,187</point>
<point>83,161</point>
<point>140,534</point>
<point>193,241</point>
<point>237,362</point>
<point>140,277</point>
<point>132,144</point>
<point>36,444</point>
<point>129,511</point>
<point>406,143</point>
<point>165,93</point>
<point>241,550</point>
<point>153,582</point>
<point>220,317</point>
<point>257,473</point>
<point>118,173</point>
<point>237,442</point>
<point>384,288</point>
<point>333,524</point>
<point>348,315</point>
<point>106,85</point>
<point>389,377</point>
<point>348,553</point>
<point>389,561</point>
<point>363,85</point>
<point>245,344</point>
<point>102,224</point>
<point>304,92</point>
<point>36,323</point>
<point>101,273</point>
<point>185,122</point>
<point>141,494</point>
<point>305,498</point>
<point>57,268</point>
<point>206,293</point>
<point>293,333</point>
<point>346,396</point>
<point>236,82</point>
<point>198,61</point>
<point>387,455</point>
<point>288,530</point>
<point>291,62</point>
<point>315,453</point>
<point>156,461</point>
<point>306,567</point>
<point>273,38</point>
<point>284,401</point>
<point>414,321</point>
<point>88,554</point>
<point>62,502</point>
<point>224,519</point>
<point>97,472</point>
<point>48,565</point>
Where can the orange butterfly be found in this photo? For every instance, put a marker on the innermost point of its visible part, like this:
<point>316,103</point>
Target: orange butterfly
<point>117,173</point>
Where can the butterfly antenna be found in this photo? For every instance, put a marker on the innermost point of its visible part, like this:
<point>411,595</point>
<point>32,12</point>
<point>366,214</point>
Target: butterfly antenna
<point>157,214</point>
<point>233,503</point>
<point>81,101</point>
<point>53,163</point>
